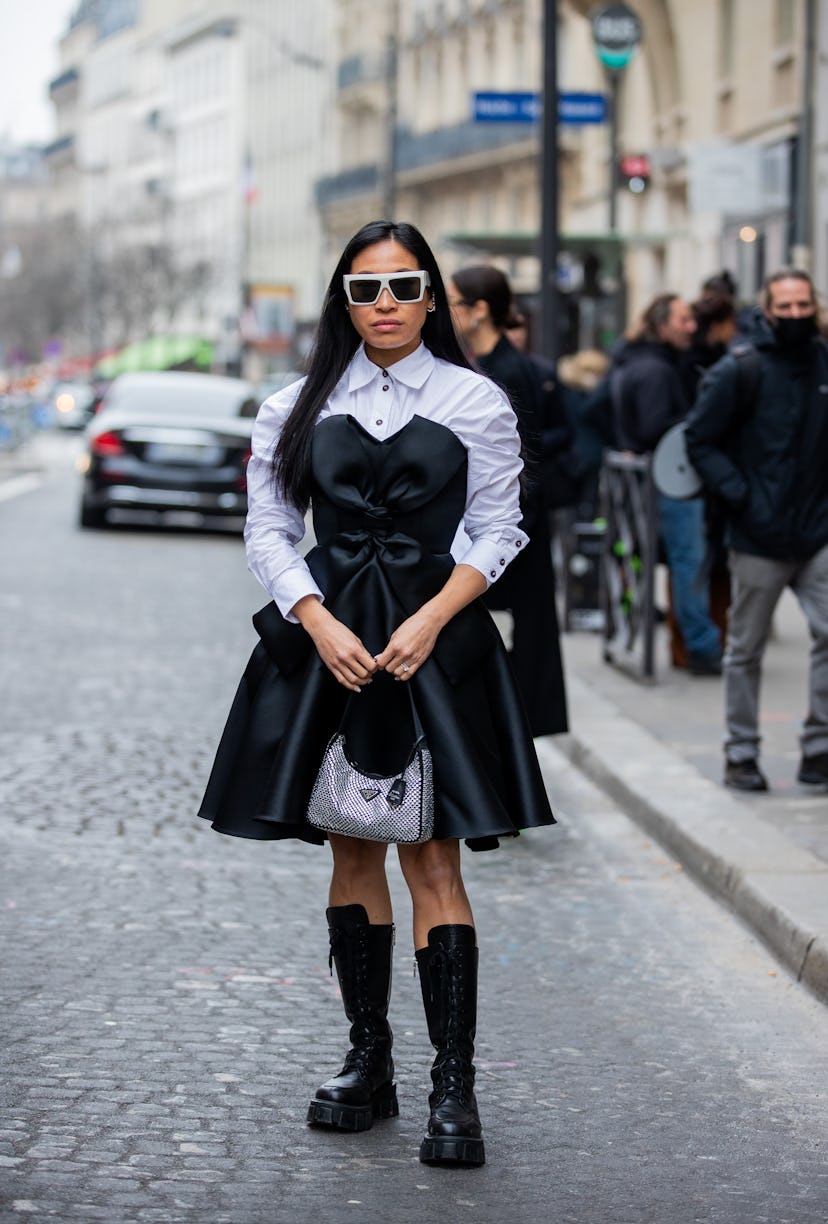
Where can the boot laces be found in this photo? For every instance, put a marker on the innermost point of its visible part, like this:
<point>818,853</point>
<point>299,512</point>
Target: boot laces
<point>363,1056</point>
<point>366,1041</point>
<point>453,1070</point>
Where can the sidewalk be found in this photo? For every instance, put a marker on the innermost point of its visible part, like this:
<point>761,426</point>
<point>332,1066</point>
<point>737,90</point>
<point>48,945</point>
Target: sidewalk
<point>658,751</point>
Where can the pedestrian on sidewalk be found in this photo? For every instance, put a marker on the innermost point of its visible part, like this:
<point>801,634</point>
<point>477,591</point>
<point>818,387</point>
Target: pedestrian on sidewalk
<point>715,316</point>
<point>393,440</point>
<point>649,397</point>
<point>482,305</point>
<point>767,460</point>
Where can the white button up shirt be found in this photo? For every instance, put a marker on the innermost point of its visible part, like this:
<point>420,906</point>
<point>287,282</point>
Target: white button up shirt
<point>383,400</point>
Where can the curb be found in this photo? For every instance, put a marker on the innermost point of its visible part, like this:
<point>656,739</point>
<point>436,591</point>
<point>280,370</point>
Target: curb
<point>778,889</point>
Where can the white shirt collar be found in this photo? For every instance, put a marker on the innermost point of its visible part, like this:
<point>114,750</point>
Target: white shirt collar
<point>413,370</point>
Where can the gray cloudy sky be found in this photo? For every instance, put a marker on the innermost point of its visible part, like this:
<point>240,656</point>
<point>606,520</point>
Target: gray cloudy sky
<point>29,33</point>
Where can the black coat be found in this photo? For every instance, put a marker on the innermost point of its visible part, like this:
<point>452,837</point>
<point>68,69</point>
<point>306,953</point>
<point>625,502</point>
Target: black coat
<point>649,394</point>
<point>527,589</point>
<point>767,461</point>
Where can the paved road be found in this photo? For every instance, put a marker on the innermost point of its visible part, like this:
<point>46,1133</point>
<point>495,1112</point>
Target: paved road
<point>166,997</point>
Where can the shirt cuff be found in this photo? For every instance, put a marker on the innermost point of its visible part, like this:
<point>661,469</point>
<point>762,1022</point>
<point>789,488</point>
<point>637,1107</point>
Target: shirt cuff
<point>292,588</point>
<point>491,557</point>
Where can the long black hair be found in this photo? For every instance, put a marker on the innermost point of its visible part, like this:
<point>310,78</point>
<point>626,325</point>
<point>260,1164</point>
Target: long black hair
<point>336,342</point>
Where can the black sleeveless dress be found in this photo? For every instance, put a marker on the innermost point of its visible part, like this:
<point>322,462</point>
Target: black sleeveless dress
<point>385,514</point>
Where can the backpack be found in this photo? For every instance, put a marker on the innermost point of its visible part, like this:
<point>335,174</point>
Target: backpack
<point>673,473</point>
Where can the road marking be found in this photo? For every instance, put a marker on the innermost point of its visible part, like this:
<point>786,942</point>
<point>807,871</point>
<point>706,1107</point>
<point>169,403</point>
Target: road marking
<point>19,485</point>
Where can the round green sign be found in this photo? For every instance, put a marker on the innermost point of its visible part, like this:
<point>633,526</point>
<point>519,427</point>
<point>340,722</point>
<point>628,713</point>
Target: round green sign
<point>616,32</point>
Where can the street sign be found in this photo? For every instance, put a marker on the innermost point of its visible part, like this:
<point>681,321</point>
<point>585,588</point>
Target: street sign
<point>582,108</point>
<point>527,107</point>
<point>493,107</point>
<point>616,32</point>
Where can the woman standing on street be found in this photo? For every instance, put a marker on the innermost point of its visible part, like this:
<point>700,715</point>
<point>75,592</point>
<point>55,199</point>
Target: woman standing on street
<point>393,441</point>
<point>481,299</point>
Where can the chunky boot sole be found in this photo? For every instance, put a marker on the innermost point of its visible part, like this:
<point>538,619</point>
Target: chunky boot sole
<point>339,1116</point>
<point>452,1150</point>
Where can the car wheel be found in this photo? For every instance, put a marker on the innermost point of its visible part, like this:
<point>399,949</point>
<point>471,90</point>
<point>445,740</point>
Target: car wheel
<point>91,516</point>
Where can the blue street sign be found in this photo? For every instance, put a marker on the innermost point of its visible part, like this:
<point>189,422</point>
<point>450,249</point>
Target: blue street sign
<point>582,108</point>
<point>506,107</point>
<point>527,107</point>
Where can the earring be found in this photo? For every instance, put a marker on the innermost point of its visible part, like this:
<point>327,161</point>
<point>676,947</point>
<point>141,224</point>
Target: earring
<point>432,307</point>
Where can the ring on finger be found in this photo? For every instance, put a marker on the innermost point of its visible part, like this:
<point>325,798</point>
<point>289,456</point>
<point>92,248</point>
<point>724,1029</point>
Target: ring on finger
<point>404,667</point>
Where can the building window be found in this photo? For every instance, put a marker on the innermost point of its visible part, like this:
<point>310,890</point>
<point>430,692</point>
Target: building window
<point>784,19</point>
<point>726,29</point>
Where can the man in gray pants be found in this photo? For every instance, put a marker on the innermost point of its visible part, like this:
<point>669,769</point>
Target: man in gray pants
<point>760,444</point>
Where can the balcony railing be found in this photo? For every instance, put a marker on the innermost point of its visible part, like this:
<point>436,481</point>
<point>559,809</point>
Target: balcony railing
<point>70,77</point>
<point>417,150</point>
<point>356,180</point>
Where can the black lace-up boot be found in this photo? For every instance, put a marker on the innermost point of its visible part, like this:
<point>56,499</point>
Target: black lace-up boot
<point>364,1089</point>
<point>448,976</point>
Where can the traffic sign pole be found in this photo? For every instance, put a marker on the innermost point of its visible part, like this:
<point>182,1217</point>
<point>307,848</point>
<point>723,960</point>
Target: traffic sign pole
<point>614,91</point>
<point>616,33</point>
<point>550,321</point>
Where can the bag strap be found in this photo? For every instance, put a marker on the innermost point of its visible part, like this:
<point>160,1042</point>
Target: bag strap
<point>419,733</point>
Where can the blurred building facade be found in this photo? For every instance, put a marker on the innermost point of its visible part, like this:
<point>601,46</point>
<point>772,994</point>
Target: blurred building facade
<point>24,204</point>
<point>191,132</point>
<point>710,115</point>
<point>243,141</point>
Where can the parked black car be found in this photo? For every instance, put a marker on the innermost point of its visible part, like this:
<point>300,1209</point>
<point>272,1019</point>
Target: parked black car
<point>169,441</point>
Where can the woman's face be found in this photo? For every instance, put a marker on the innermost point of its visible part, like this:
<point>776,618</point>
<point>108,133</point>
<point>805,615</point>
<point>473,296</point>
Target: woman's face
<point>389,329</point>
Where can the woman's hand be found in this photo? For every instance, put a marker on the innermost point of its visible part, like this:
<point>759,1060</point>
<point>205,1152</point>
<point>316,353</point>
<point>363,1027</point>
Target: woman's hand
<point>413,641</point>
<point>339,649</point>
<point>411,644</point>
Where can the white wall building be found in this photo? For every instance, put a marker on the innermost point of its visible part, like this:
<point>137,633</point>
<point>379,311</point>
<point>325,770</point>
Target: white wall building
<point>199,127</point>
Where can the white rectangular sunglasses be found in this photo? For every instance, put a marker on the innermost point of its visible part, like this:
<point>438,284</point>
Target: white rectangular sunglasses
<point>404,287</point>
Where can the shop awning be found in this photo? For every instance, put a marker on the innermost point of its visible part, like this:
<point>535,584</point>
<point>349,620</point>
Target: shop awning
<point>158,353</point>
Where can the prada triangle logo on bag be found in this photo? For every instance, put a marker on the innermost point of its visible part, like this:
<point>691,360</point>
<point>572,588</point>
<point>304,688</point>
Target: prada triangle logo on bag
<point>369,793</point>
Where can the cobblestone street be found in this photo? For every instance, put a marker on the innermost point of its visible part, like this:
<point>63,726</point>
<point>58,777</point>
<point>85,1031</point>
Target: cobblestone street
<point>167,1004</point>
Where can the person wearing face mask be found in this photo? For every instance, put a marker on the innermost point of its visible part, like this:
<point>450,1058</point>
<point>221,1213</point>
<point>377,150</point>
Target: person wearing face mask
<point>767,460</point>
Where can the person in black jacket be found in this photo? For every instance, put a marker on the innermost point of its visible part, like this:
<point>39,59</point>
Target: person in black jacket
<point>649,397</point>
<point>482,304</point>
<point>768,462</point>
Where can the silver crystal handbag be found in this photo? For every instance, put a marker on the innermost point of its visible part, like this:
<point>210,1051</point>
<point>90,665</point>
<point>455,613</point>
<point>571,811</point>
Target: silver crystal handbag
<point>390,808</point>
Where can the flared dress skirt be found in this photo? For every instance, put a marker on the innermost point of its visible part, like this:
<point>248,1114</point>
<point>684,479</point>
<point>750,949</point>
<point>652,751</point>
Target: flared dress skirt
<point>385,513</point>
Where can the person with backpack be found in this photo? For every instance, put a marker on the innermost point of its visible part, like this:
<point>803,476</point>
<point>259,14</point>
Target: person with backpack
<point>760,443</point>
<point>648,398</point>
